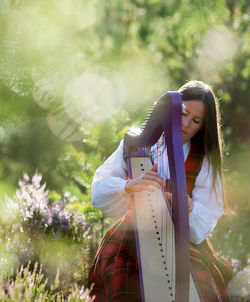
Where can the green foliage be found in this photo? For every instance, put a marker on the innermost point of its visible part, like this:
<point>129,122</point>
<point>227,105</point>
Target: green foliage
<point>79,167</point>
<point>231,239</point>
<point>231,236</point>
<point>90,212</point>
<point>6,188</point>
<point>54,196</point>
<point>80,162</point>
<point>26,143</point>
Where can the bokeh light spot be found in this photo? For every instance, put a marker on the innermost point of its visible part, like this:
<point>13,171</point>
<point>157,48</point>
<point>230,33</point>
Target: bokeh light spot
<point>63,127</point>
<point>94,95</point>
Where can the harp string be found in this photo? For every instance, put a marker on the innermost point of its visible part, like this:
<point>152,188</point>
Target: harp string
<point>159,155</point>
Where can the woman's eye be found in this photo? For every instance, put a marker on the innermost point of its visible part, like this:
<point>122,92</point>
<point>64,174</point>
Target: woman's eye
<point>196,122</point>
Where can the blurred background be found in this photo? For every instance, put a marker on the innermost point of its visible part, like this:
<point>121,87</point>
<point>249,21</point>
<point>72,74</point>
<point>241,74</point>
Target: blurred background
<point>76,74</point>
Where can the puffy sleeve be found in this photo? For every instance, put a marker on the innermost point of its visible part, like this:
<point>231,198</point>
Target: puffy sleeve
<point>208,204</point>
<point>108,186</point>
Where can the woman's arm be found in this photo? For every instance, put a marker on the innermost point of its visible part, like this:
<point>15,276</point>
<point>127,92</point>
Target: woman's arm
<point>207,204</point>
<point>108,186</point>
<point>110,189</point>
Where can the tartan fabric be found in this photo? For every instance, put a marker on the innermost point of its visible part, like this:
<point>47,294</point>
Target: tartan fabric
<point>114,271</point>
<point>211,272</point>
<point>193,165</point>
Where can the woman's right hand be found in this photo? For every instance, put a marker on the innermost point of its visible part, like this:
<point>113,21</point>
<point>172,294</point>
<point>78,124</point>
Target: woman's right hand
<point>145,182</point>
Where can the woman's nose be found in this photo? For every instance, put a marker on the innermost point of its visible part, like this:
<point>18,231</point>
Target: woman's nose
<point>185,121</point>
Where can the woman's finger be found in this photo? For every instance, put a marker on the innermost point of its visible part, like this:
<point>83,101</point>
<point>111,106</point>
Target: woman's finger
<point>145,188</point>
<point>190,204</point>
<point>148,182</point>
<point>153,173</point>
<point>138,185</point>
<point>153,178</point>
<point>154,168</point>
<point>169,195</point>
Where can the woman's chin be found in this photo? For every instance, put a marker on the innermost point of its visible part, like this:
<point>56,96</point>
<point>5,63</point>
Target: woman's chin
<point>184,139</point>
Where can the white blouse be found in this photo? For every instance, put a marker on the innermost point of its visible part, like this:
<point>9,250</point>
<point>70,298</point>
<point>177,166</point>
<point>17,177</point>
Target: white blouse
<point>109,195</point>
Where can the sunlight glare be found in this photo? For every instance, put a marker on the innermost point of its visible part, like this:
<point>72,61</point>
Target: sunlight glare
<point>94,95</point>
<point>217,48</point>
<point>144,80</point>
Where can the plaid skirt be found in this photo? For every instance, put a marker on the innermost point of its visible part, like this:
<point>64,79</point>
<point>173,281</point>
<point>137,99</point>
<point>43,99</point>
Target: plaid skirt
<point>114,271</point>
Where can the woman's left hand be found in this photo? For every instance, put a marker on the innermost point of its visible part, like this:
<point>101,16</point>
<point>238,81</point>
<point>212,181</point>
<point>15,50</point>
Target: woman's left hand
<point>190,201</point>
<point>190,204</point>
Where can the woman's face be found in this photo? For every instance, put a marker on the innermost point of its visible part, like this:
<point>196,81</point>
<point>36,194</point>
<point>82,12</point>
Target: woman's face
<point>192,119</point>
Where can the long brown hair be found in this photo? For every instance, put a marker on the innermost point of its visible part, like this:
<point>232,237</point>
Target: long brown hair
<point>209,137</point>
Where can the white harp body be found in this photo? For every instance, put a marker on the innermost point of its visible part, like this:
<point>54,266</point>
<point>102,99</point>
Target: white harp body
<point>156,248</point>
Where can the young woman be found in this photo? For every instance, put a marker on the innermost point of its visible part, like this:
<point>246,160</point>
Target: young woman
<point>115,269</point>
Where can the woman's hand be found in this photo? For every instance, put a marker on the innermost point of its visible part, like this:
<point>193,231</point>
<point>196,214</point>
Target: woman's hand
<point>190,201</point>
<point>190,204</point>
<point>145,182</point>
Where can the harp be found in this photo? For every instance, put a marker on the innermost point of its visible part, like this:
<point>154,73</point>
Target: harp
<point>162,231</point>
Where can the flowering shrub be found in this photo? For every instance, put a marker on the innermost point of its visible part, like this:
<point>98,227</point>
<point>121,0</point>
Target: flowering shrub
<point>31,286</point>
<point>56,234</point>
<point>239,286</point>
